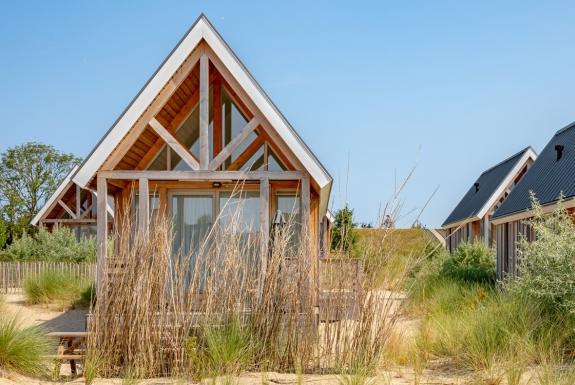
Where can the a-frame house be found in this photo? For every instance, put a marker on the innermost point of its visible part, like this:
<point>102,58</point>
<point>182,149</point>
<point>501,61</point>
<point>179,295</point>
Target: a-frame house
<point>199,125</point>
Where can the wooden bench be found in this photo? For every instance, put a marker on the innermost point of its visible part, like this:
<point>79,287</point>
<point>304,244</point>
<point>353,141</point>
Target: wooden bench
<point>71,347</point>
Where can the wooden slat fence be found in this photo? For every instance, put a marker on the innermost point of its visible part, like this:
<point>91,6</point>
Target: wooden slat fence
<point>340,288</point>
<point>13,274</point>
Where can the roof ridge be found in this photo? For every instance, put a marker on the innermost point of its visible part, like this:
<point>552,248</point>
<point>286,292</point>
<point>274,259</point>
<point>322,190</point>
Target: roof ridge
<point>509,158</point>
<point>567,127</point>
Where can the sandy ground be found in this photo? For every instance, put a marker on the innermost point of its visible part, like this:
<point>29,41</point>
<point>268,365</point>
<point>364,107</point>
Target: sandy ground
<point>49,318</point>
<point>74,320</point>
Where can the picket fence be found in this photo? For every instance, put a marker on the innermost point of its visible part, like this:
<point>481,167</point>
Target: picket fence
<point>13,274</point>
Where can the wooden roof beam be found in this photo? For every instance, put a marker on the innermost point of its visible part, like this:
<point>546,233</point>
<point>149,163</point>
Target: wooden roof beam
<point>233,144</point>
<point>174,144</point>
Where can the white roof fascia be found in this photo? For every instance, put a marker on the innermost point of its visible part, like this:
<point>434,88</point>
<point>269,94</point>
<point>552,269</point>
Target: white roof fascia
<point>529,154</point>
<point>202,29</point>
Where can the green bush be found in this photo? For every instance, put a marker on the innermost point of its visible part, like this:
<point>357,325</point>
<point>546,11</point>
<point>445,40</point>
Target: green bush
<point>22,348</point>
<point>344,237</point>
<point>57,288</point>
<point>59,245</point>
<point>547,269</point>
<point>472,262</point>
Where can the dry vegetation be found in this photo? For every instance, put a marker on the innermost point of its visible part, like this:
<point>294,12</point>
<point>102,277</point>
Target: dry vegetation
<point>217,312</point>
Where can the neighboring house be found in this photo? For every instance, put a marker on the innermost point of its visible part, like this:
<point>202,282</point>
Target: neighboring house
<point>471,219</point>
<point>552,174</point>
<point>199,126</point>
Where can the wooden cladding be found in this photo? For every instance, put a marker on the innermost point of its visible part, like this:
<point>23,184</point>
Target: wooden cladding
<point>508,236</point>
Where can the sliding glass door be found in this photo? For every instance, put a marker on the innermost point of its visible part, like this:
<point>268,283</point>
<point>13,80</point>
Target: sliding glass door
<point>193,217</point>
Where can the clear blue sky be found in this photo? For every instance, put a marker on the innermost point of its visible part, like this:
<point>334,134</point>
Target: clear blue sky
<point>452,86</point>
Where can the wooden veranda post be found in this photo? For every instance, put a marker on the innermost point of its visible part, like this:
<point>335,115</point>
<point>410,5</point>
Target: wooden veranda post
<point>305,237</point>
<point>143,205</point>
<point>265,231</point>
<point>102,231</point>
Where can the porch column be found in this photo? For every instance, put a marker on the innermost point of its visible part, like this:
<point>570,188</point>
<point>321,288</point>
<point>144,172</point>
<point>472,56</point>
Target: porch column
<point>264,230</point>
<point>306,264</point>
<point>143,206</point>
<point>102,231</point>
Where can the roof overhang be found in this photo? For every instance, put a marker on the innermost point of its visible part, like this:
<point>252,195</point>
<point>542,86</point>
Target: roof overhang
<point>460,222</point>
<point>202,29</point>
<point>566,203</point>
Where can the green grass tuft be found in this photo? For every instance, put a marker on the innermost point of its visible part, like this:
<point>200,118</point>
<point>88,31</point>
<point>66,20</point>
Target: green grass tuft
<point>22,348</point>
<point>57,288</point>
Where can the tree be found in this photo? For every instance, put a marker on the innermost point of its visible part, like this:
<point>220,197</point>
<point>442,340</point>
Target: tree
<point>343,236</point>
<point>29,174</point>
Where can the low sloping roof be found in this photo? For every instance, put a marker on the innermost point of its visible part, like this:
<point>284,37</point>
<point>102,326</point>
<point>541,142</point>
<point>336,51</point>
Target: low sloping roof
<point>489,187</point>
<point>202,29</point>
<point>547,178</point>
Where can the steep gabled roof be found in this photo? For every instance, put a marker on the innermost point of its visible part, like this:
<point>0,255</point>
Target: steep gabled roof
<point>487,189</point>
<point>547,178</point>
<point>202,29</point>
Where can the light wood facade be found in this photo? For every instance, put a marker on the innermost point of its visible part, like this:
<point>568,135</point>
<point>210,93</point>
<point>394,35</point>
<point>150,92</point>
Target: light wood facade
<point>207,129</point>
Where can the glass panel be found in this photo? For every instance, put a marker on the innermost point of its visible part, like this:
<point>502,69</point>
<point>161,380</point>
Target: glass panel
<point>160,163</point>
<point>192,219</point>
<point>233,121</point>
<point>288,218</point>
<point>240,213</point>
<point>274,164</point>
<point>256,161</point>
<point>240,222</point>
<point>188,134</point>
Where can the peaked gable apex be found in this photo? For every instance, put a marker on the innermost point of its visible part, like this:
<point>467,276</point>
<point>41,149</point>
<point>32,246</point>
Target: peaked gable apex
<point>202,30</point>
<point>491,185</point>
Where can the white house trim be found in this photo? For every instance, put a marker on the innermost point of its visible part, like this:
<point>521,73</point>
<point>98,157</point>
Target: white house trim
<point>202,29</point>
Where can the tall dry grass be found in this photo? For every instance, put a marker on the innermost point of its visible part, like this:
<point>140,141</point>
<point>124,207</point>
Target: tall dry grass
<point>231,307</point>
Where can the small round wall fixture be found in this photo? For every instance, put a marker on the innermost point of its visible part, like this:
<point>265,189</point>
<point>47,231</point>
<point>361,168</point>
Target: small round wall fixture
<point>216,184</point>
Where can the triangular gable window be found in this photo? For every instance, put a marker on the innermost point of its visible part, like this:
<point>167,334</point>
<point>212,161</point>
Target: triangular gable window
<point>274,163</point>
<point>255,162</point>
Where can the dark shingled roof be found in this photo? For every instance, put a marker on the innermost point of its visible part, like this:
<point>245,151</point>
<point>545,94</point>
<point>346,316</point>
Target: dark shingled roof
<point>547,177</point>
<point>488,181</point>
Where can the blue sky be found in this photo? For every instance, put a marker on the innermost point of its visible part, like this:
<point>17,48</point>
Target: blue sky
<point>451,86</point>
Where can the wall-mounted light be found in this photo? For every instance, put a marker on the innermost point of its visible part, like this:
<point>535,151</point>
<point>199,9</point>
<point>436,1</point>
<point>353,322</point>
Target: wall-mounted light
<point>217,184</point>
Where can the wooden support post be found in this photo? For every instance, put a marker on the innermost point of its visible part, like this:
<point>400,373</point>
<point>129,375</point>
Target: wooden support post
<point>102,233</point>
<point>265,230</point>
<point>306,264</point>
<point>78,203</point>
<point>217,126</point>
<point>143,206</point>
<point>204,112</point>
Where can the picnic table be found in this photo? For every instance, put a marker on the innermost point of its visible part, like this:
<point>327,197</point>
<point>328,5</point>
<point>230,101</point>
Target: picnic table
<point>71,347</point>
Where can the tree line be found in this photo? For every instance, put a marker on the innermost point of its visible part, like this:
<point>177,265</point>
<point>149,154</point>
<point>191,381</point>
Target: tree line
<point>29,175</point>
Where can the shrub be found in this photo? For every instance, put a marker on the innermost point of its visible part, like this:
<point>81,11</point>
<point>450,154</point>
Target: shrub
<point>22,348</point>
<point>58,245</point>
<point>547,269</point>
<point>472,262</point>
<point>56,288</point>
<point>343,235</point>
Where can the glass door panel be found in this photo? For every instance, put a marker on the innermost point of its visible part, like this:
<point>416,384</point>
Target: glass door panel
<point>192,218</point>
